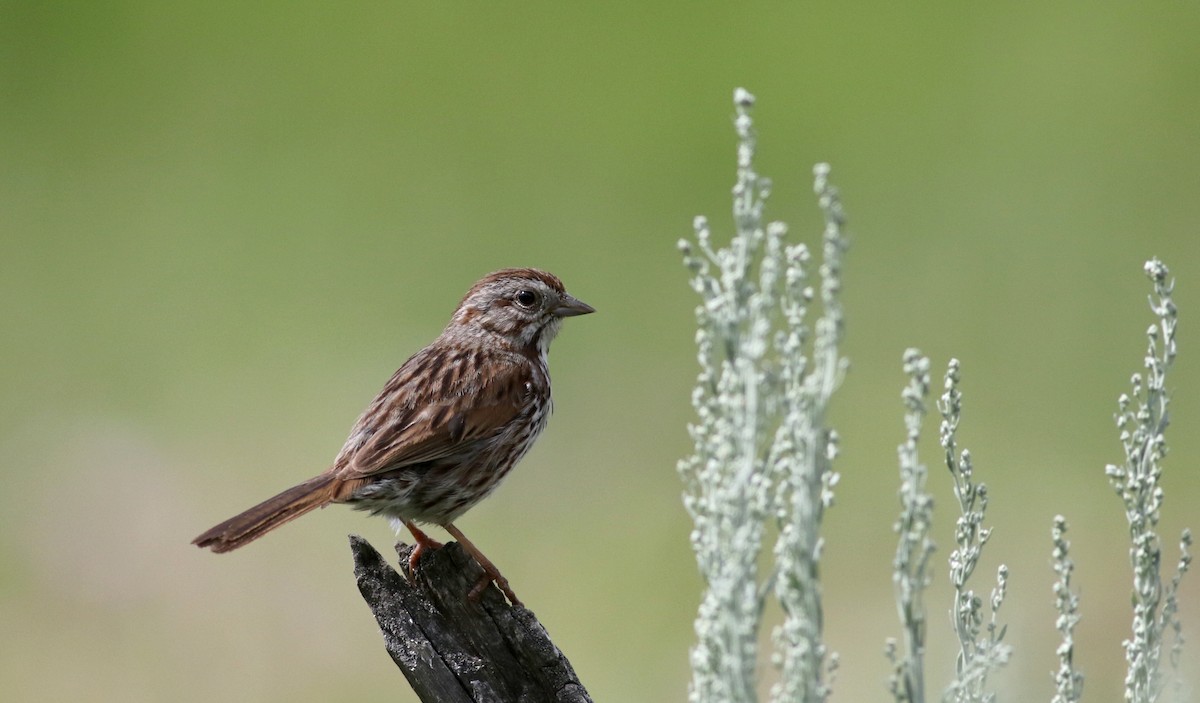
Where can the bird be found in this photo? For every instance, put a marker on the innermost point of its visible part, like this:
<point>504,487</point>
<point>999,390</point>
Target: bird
<point>447,427</point>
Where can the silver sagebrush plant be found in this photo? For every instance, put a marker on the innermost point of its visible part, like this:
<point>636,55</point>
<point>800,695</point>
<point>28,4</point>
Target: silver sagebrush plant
<point>981,647</point>
<point>762,448</point>
<point>1142,419</point>
<point>1068,682</point>
<point>911,570</point>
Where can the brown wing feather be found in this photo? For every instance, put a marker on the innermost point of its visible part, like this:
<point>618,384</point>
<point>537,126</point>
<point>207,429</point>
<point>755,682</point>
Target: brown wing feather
<point>459,414</point>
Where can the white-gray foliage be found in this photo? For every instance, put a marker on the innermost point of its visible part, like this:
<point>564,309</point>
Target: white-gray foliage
<point>763,456</point>
<point>979,633</point>
<point>762,451</point>
<point>1068,682</point>
<point>1142,419</point>
<point>980,638</point>
<point>911,569</point>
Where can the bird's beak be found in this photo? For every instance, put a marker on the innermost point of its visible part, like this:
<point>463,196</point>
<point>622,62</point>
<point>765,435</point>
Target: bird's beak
<point>571,306</point>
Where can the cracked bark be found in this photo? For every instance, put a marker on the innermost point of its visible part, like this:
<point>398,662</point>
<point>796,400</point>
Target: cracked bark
<point>455,650</point>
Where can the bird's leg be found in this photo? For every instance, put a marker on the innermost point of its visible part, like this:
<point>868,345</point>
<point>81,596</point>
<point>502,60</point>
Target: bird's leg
<point>491,573</point>
<point>424,543</point>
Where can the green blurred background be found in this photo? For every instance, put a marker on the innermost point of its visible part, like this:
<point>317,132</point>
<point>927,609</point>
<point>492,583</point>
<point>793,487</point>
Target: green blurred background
<point>223,225</point>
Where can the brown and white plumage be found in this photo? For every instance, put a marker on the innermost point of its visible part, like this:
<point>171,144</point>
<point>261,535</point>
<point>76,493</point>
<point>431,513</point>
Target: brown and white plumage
<point>448,426</point>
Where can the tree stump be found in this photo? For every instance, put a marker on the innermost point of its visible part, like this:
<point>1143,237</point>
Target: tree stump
<point>456,650</point>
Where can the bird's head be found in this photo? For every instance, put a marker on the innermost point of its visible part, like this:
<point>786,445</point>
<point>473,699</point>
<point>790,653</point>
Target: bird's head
<point>523,308</point>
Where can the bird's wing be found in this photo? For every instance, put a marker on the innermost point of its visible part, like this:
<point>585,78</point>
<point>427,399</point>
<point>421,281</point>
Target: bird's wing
<point>448,422</point>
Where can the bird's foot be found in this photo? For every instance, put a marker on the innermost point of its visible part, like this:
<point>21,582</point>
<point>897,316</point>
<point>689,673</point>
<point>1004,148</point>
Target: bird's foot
<point>425,543</point>
<point>490,573</point>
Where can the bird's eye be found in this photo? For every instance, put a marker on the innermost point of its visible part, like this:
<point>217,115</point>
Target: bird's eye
<point>526,299</point>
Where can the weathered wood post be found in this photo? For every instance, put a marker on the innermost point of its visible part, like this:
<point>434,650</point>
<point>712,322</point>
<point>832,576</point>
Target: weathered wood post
<point>456,650</point>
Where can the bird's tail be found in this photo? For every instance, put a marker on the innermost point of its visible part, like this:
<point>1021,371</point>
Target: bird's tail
<point>243,528</point>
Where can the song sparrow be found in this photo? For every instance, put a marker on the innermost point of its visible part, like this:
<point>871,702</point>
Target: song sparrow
<point>446,428</point>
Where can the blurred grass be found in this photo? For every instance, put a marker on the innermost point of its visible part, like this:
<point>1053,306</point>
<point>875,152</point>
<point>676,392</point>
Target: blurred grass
<point>224,225</point>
